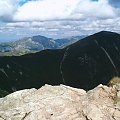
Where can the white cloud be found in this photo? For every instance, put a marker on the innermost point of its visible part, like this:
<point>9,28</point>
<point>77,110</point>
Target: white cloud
<point>18,24</point>
<point>58,17</point>
<point>7,9</point>
<point>99,9</point>
<point>45,10</point>
<point>66,27</point>
<point>41,10</point>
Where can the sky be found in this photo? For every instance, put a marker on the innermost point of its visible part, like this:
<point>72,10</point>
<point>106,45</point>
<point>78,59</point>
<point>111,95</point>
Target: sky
<point>57,18</point>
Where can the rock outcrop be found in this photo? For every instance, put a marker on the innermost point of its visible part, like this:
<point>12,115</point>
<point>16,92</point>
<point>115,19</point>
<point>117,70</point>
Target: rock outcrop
<point>62,103</point>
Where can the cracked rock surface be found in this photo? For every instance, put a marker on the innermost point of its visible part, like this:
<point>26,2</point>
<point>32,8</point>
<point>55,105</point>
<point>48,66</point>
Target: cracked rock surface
<point>62,103</point>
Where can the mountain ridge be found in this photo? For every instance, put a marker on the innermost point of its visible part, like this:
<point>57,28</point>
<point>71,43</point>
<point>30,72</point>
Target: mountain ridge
<point>34,44</point>
<point>84,64</point>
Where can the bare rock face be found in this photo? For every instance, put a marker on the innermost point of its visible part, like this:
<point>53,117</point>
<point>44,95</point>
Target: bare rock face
<point>62,103</point>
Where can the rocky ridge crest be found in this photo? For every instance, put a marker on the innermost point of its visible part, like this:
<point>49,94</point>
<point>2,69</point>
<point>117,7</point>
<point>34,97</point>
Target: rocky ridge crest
<point>62,103</point>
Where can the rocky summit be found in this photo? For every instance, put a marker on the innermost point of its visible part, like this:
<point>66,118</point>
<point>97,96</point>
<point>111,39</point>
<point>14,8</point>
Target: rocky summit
<point>62,103</point>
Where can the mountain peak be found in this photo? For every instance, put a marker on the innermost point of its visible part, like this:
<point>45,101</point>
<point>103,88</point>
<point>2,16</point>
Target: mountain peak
<point>106,33</point>
<point>40,36</point>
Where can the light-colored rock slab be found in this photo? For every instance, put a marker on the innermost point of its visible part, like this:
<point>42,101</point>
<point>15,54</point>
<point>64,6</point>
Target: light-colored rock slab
<point>61,103</point>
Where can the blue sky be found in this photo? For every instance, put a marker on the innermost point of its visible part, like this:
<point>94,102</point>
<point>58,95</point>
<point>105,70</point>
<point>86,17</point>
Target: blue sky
<point>53,18</point>
<point>21,2</point>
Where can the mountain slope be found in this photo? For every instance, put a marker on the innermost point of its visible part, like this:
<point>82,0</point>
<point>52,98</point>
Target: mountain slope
<point>93,60</point>
<point>32,70</point>
<point>85,64</point>
<point>34,44</point>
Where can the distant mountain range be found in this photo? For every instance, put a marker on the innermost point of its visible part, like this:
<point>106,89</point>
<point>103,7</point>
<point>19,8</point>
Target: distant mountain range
<point>34,44</point>
<point>84,64</point>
